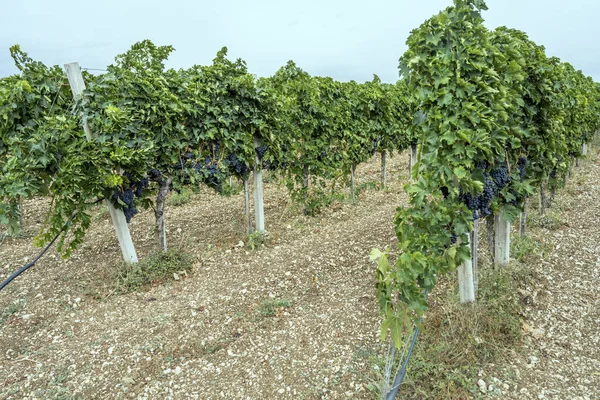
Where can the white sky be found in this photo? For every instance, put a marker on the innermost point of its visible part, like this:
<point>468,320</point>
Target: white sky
<point>344,39</point>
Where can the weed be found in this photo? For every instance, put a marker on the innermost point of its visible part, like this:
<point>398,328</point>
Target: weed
<point>12,308</point>
<point>180,198</point>
<point>550,220</point>
<point>232,188</point>
<point>269,308</point>
<point>524,248</point>
<point>459,340</point>
<point>374,185</point>
<point>155,268</point>
<point>255,240</point>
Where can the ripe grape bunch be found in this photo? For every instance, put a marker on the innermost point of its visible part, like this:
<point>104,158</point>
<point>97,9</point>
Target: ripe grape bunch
<point>239,168</point>
<point>501,177</point>
<point>124,197</point>
<point>260,151</point>
<point>493,182</point>
<point>210,173</point>
<point>522,165</point>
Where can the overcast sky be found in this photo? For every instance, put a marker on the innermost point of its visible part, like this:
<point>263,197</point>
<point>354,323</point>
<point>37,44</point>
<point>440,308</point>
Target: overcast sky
<point>345,39</point>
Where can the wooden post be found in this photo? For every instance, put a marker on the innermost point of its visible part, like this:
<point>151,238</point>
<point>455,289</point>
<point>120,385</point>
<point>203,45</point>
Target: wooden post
<point>502,238</point>
<point>159,213</point>
<point>412,160</point>
<point>466,287</point>
<point>20,209</point>
<point>118,218</point>
<point>247,206</point>
<point>474,251</point>
<point>543,200</point>
<point>305,188</point>
<point>352,169</point>
<point>383,159</point>
<point>523,218</point>
<point>489,221</point>
<point>259,211</point>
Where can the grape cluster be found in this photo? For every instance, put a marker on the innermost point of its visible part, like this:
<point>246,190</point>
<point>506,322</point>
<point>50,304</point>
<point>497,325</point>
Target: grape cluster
<point>522,165</point>
<point>489,192</point>
<point>126,196</point>
<point>240,168</point>
<point>501,176</point>
<point>260,151</point>
<point>140,186</point>
<point>445,191</point>
<point>128,192</point>
<point>210,173</point>
<point>481,204</point>
<point>375,145</point>
<point>322,156</point>
<point>154,174</point>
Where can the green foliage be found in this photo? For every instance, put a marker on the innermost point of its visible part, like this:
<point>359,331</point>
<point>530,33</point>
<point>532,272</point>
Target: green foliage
<point>331,127</point>
<point>12,308</point>
<point>550,220</point>
<point>180,198</point>
<point>196,125</point>
<point>269,308</point>
<point>154,268</point>
<point>525,248</point>
<point>255,240</point>
<point>483,100</point>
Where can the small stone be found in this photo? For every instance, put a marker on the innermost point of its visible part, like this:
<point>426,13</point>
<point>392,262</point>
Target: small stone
<point>176,276</point>
<point>27,316</point>
<point>177,370</point>
<point>128,380</point>
<point>482,386</point>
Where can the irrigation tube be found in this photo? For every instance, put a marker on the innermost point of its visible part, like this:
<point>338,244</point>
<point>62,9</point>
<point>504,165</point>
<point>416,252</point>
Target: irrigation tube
<point>31,264</point>
<point>402,373</point>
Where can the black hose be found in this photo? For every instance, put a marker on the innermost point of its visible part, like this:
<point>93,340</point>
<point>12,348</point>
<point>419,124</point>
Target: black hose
<point>31,264</point>
<point>402,373</point>
<point>391,395</point>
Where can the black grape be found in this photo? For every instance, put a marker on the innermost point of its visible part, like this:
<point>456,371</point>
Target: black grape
<point>154,174</point>
<point>260,151</point>
<point>481,165</point>
<point>489,191</point>
<point>501,177</point>
<point>453,238</point>
<point>522,165</point>
<point>126,196</point>
<point>445,192</point>
<point>140,186</point>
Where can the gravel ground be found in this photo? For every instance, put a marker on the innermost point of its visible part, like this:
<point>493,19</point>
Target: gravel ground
<point>561,355</point>
<point>296,318</point>
<point>208,335</point>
